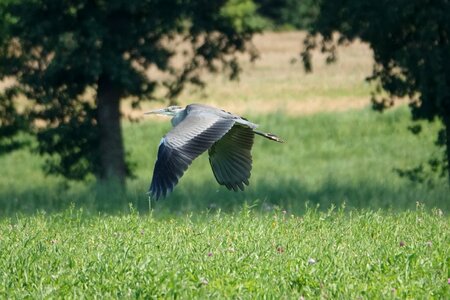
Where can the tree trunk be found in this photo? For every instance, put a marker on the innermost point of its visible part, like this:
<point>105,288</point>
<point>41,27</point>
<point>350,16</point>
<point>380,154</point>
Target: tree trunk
<point>111,149</point>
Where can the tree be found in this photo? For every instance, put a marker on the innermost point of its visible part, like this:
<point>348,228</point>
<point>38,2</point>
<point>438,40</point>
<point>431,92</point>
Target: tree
<point>11,122</point>
<point>410,42</point>
<point>60,52</point>
<point>292,13</point>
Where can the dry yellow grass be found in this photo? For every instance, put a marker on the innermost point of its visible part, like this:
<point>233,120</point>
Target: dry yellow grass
<point>277,81</point>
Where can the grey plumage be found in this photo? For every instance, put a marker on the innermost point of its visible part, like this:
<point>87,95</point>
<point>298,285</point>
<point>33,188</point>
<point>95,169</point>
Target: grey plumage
<point>197,128</point>
<point>231,158</point>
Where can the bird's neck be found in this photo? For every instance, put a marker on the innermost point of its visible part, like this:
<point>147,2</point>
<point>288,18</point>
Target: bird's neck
<point>178,118</point>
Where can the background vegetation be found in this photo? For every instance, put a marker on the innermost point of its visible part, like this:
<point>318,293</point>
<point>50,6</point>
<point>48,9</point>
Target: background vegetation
<point>288,14</point>
<point>337,149</point>
<point>325,216</point>
<point>328,159</point>
<point>74,62</point>
<point>410,41</point>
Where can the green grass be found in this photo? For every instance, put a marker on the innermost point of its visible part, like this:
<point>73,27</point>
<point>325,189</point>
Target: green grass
<point>327,159</point>
<point>62,239</point>
<point>246,255</point>
<point>81,240</point>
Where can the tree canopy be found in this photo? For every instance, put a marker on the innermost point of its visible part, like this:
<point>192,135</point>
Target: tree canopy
<point>289,13</point>
<point>410,42</point>
<point>10,121</point>
<point>62,52</point>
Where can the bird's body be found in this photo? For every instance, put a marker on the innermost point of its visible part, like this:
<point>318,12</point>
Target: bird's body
<point>197,128</point>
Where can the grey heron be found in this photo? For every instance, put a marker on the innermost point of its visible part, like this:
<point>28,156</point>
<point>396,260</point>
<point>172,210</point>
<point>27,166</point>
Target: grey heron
<point>197,128</point>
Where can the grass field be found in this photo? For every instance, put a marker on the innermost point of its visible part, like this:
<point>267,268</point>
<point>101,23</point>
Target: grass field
<point>327,159</point>
<point>325,215</point>
<point>330,255</point>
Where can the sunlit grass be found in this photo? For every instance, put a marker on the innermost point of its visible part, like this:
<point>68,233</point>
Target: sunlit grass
<point>327,159</point>
<point>369,255</point>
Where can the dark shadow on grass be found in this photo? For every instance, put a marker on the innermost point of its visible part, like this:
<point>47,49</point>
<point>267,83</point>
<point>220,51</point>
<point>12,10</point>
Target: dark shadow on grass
<point>289,195</point>
<point>293,196</point>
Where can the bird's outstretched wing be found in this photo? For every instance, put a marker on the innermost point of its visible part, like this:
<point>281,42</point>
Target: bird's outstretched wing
<point>179,147</point>
<point>231,158</point>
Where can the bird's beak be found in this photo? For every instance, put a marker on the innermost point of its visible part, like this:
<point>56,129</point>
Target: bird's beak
<point>156,112</point>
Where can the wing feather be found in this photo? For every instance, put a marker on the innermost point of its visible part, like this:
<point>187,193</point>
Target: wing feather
<point>180,146</point>
<point>231,158</point>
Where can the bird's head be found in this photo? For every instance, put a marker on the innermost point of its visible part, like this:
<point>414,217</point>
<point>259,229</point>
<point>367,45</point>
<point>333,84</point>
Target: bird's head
<point>168,111</point>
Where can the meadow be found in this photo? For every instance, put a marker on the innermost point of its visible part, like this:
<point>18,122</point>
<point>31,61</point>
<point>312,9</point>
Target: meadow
<point>325,215</point>
<point>329,158</point>
<point>361,254</point>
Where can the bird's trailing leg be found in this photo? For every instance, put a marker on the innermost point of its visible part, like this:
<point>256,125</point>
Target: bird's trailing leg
<point>150,204</point>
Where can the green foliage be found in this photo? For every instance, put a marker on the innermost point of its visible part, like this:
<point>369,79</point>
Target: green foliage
<point>243,15</point>
<point>5,20</point>
<point>289,13</point>
<point>244,255</point>
<point>410,40</point>
<point>61,51</point>
<point>10,121</point>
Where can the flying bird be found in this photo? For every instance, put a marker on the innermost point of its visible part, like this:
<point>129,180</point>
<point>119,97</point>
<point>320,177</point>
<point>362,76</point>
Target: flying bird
<point>197,128</point>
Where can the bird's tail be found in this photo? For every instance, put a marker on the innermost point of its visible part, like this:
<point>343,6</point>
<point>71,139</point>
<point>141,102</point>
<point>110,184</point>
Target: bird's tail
<point>269,136</point>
